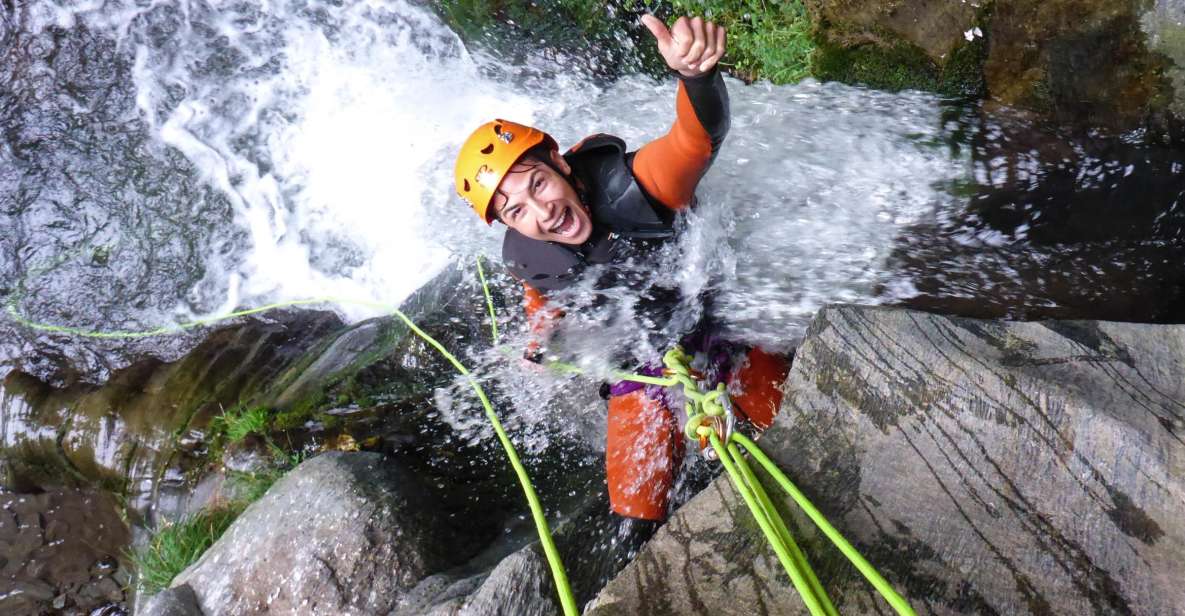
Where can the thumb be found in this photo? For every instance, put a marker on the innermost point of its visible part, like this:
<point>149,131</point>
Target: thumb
<point>658,29</point>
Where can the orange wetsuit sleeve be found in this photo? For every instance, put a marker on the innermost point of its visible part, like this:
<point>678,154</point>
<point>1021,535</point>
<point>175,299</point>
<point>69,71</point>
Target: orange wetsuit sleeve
<point>670,167</point>
<point>541,318</point>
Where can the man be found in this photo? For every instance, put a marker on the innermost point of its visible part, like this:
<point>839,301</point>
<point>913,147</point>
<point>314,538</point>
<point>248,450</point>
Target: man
<point>600,204</point>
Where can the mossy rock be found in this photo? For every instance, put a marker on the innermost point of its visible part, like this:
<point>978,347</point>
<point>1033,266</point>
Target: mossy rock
<point>1080,61</point>
<point>902,66</point>
<point>1097,63</point>
<point>935,28</point>
<point>893,45</point>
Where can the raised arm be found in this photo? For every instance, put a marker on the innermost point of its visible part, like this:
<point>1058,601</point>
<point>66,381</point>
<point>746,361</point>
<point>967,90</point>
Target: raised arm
<point>670,167</point>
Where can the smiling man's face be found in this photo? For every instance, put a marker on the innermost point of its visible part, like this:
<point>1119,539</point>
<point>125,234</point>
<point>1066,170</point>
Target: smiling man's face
<point>538,202</point>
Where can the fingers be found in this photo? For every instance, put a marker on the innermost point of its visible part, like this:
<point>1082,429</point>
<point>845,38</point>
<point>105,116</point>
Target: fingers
<point>710,60</point>
<point>691,46</point>
<point>682,37</point>
<point>658,29</point>
<point>696,49</point>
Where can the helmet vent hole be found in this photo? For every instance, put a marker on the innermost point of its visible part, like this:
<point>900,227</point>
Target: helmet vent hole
<point>466,185</point>
<point>487,149</point>
<point>497,129</point>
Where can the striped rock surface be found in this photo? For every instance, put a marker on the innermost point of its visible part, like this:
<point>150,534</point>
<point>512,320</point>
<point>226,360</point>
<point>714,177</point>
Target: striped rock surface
<point>984,467</point>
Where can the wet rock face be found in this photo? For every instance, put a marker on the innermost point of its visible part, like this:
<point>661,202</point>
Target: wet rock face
<point>983,467</point>
<point>1100,63</point>
<point>59,553</point>
<point>520,585</point>
<point>145,433</point>
<point>1084,61</point>
<point>935,26</point>
<point>341,533</point>
<point>122,436</point>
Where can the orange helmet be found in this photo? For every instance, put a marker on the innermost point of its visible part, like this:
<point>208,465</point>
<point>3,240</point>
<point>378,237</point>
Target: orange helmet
<point>486,158</point>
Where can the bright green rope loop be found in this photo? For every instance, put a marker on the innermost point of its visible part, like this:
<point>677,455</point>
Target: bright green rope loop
<point>693,425</point>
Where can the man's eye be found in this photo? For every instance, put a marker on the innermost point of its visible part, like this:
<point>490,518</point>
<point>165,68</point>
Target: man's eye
<point>538,183</point>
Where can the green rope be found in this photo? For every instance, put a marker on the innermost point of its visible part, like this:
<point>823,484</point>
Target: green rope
<point>783,533</point>
<point>169,329</point>
<point>813,602</point>
<point>489,301</point>
<point>701,407</point>
<point>567,600</point>
<point>870,573</point>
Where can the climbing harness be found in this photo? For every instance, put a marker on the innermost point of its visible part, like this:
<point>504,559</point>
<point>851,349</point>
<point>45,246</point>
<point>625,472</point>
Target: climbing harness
<point>710,421</point>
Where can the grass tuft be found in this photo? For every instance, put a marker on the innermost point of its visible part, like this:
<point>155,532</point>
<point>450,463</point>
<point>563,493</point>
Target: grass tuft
<point>239,422</point>
<point>178,545</point>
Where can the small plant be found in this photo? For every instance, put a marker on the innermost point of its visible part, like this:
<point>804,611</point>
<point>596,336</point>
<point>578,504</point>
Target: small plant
<point>238,422</point>
<point>178,545</point>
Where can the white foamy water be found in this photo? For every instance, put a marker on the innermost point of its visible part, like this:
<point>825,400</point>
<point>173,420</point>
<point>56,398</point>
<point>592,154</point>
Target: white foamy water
<point>801,208</point>
<point>331,133</point>
<point>329,130</point>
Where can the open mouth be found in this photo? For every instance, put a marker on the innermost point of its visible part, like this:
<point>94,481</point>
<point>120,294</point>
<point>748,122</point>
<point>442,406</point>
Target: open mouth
<point>566,225</point>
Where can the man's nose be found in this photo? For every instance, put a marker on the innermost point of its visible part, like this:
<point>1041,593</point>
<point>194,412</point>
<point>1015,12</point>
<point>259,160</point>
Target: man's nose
<point>543,209</point>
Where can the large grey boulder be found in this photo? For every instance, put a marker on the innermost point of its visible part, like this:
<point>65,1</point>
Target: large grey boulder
<point>520,585</point>
<point>983,467</point>
<point>594,544</point>
<point>343,533</point>
<point>175,601</point>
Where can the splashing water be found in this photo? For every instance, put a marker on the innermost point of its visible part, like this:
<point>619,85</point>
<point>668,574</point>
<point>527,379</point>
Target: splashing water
<point>219,154</point>
<point>163,161</point>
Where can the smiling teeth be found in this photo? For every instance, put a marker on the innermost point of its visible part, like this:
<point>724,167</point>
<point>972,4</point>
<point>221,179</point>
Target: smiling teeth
<point>565,221</point>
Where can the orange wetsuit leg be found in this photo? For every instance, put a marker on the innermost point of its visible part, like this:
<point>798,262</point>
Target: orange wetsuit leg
<point>643,448</point>
<point>756,387</point>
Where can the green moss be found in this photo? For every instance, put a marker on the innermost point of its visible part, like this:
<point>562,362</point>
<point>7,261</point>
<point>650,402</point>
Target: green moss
<point>299,413</point>
<point>963,73</point>
<point>36,464</point>
<point>903,67</point>
<point>178,545</point>
<point>603,35</point>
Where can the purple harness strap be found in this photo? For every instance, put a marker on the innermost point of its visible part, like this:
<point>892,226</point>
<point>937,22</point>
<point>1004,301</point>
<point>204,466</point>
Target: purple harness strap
<point>622,388</point>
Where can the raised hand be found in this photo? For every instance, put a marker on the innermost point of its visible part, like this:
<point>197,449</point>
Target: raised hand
<point>691,47</point>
